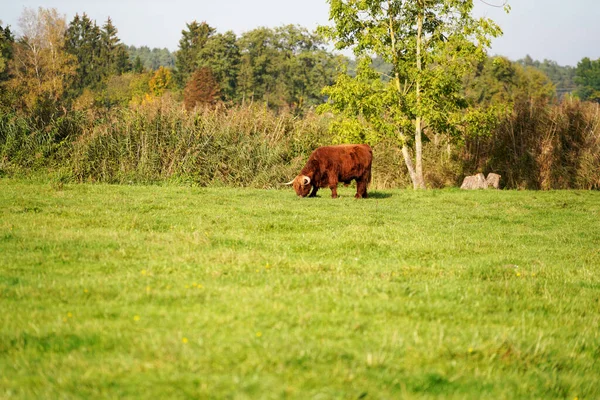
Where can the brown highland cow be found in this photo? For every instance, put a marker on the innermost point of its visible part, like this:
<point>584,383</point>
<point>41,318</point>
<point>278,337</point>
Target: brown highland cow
<point>329,165</point>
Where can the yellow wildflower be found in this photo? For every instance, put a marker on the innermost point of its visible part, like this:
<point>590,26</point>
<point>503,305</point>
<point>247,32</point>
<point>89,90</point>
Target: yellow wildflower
<point>136,318</point>
<point>184,340</point>
<point>258,334</point>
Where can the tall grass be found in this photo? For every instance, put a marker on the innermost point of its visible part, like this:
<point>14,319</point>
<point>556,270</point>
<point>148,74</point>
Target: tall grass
<point>245,146</point>
<point>538,146</point>
<point>542,146</point>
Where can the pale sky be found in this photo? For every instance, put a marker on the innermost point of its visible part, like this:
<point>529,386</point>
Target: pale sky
<point>561,30</point>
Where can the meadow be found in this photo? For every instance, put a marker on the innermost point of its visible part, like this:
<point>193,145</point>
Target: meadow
<point>172,291</point>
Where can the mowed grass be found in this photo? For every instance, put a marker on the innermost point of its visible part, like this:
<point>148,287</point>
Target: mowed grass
<point>181,292</point>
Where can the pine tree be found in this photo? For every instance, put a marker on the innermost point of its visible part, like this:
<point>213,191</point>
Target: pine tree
<point>192,41</point>
<point>83,41</point>
<point>138,67</point>
<point>6,48</point>
<point>114,56</point>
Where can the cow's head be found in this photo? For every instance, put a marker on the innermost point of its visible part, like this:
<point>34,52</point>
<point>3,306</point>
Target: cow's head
<point>301,185</point>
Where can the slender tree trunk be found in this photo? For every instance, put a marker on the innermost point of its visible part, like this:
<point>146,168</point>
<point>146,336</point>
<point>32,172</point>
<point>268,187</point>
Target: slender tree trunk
<point>405,152</point>
<point>419,182</point>
<point>409,166</point>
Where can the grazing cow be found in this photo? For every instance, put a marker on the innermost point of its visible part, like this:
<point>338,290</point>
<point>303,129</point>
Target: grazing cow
<point>329,165</point>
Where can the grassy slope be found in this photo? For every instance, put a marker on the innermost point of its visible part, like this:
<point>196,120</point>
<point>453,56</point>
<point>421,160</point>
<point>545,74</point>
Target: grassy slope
<point>126,292</point>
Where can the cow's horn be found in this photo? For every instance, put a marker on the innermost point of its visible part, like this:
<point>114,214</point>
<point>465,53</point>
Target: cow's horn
<point>305,180</point>
<point>290,182</point>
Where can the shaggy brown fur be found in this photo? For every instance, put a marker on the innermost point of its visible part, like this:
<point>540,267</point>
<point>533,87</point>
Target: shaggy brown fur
<point>329,165</point>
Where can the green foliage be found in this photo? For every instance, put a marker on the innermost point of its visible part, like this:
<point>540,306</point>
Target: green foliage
<point>495,86</point>
<point>358,103</point>
<point>6,54</point>
<point>379,65</point>
<point>64,90</point>
<point>563,77</point>
<point>192,41</point>
<point>83,40</point>
<point>431,45</point>
<point>100,55</point>
<point>137,66</point>
<point>286,66</point>
<point>151,59</point>
<point>114,58</point>
<point>222,56</point>
<point>587,77</point>
<point>177,291</point>
<point>118,91</point>
<point>6,43</point>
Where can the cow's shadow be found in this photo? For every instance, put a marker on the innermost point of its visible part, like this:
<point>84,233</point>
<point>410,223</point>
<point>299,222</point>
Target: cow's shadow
<point>378,195</point>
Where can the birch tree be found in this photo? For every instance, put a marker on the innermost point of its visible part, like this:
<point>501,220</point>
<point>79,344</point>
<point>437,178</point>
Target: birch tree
<point>431,45</point>
<point>41,68</point>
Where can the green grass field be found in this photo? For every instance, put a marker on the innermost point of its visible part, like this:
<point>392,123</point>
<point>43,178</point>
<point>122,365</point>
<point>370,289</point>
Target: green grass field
<point>181,292</point>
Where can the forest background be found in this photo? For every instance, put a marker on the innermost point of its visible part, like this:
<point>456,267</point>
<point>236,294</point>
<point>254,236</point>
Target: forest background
<point>246,110</point>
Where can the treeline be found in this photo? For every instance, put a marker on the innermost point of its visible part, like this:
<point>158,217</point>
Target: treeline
<point>78,104</point>
<point>60,66</point>
<point>148,59</point>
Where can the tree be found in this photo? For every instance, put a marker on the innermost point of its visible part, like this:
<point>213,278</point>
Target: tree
<point>587,77</point>
<point>160,81</point>
<point>221,54</point>
<point>151,59</point>
<point>256,76</point>
<point>114,56</point>
<point>202,89</point>
<point>192,41</point>
<point>138,67</point>
<point>41,68</point>
<point>6,54</point>
<point>99,53</point>
<point>6,49</point>
<point>285,66</point>
<point>430,44</point>
<point>561,76</point>
<point>83,41</point>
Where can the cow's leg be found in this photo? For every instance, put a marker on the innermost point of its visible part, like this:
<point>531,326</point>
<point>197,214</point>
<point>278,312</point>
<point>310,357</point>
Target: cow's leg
<point>333,186</point>
<point>361,189</point>
<point>314,191</point>
<point>333,192</point>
